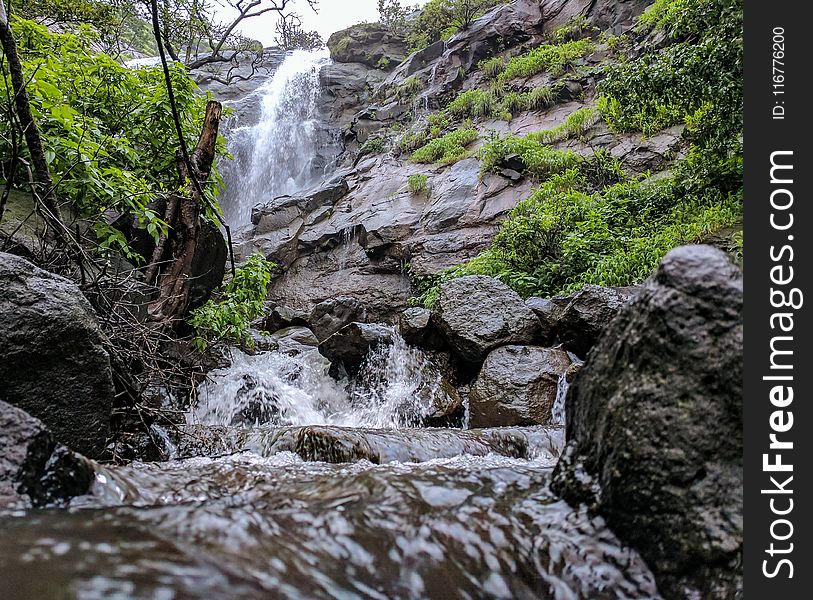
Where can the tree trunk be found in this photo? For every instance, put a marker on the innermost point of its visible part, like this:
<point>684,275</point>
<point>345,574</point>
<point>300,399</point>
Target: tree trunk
<point>184,223</point>
<point>30,130</point>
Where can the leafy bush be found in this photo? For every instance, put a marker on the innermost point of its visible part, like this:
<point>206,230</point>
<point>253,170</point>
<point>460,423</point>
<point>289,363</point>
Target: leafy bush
<point>410,88</point>
<point>107,130</point>
<point>575,125</point>
<point>242,300</point>
<point>374,145</point>
<point>418,183</point>
<point>492,67</point>
<point>540,160</point>
<point>448,148</point>
<point>552,58</point>
<point>440,19</point>
<point>474,103</point>
<point>697,77</point>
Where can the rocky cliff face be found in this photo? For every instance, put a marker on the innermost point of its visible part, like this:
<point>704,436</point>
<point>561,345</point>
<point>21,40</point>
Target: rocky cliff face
<point>364,232</point>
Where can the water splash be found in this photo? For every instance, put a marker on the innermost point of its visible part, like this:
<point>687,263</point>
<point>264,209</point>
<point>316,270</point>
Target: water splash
<point>398,386</point>
<point>284,152</point>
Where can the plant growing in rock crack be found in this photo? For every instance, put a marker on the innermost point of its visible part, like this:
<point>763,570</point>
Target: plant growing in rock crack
<point>447,149</point>
<point>241,301</point>
<point>418,184</point>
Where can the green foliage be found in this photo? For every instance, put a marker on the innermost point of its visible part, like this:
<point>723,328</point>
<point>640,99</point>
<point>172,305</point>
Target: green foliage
<point>418,183</point>
<point>440,19</point>
<point>563,237</point>
<point>448,148</point>
<point>107,130</point>
<point>393,16</point>
<point>474,103</point>
<point>492,67</point>
<point>374,145</point>
<point>697,78</point>
<point>410,88</point>
<point>241,301</point>
<point>540,161</point>
<point>552,58</point>
<point>575,125</point>
<point>575,29</point>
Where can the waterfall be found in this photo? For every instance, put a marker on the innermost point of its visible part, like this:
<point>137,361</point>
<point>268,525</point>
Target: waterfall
<point>285,152</point>
<point>397,386</point>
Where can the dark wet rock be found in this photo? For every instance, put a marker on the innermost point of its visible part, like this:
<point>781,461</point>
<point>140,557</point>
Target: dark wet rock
<point>351,344</point>
<point>477,314</point>
<point>654,426</point>
<point>547,311</point>
<point>347,88</point>
<point>295,339</point>
<point>282,317</point>
<point>587,314</point>
<point>34,469</point>
<point>370,44</point>
<point>416,327</point>
<point>262,342</point>
<point>54,363</point>
<point>517,385</point>
<point>330,316</point>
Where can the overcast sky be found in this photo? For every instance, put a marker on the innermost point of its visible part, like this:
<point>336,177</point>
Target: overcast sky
<point>333,15</point>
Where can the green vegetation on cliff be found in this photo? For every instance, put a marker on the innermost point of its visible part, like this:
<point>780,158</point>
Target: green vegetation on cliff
<point>588,223</point>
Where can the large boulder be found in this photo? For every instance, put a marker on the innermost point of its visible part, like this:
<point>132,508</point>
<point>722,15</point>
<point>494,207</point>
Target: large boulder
<point>370,44</point>
<point>54,364</point>
<point>654,426</point>
<point>351,344</point>
<point>34,469</point>
<point>477,314</point>
<point>517,386</point>
<point>588,313</point>
<point>329,316</point>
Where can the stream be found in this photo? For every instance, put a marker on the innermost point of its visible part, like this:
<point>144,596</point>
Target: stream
<point>285,483</point>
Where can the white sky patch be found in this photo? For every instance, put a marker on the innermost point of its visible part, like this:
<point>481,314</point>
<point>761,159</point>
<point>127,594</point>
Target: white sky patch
<point>332,16</point>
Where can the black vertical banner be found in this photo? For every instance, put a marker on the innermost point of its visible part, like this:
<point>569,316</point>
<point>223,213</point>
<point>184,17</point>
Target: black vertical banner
<point>778,301</point>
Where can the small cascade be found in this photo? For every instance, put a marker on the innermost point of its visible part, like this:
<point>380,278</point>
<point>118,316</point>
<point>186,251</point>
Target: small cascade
<point>558,410</point>
<point>287,150</point>
<point>397,386</point>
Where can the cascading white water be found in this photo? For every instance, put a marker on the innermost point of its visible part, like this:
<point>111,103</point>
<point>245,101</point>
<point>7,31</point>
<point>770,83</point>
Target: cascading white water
<point>279,155</point>
<point>398,386</point>
<point>558,410</point>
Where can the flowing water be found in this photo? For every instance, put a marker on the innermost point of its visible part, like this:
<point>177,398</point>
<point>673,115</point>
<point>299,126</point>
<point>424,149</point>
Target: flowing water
<point>326,496</point>
<point>288,149</point>
<point>285,483</point>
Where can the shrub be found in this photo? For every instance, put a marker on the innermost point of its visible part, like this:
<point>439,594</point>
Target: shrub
<point>575,125</point>
<point>241,301</point>
<point>449,148</point>
<point>540,161</point>
<point>492,67</point>
<point>552,58</point>
<point>418,183</point>
<point>474,103</point>
<point>374,145</point>
<point>410,88</point>
<point>108,133</point>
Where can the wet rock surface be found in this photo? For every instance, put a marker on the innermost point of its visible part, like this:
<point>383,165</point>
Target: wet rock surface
<point>517,385</point>
<point>654,425</point>
<point>477,314</point>
<point>34,469</point>
<point>54,365</point>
